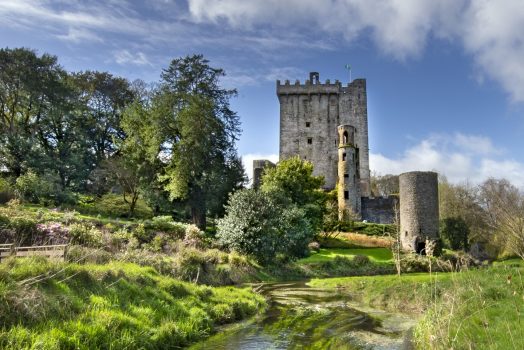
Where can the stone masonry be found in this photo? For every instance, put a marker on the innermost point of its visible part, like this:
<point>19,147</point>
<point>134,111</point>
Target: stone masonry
<point>348,178</point>
<point>419,214</point>
<point>310,114</point>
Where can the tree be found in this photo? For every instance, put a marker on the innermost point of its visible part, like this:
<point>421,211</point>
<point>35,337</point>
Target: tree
<point>462,201</point>
<point>257,224</point>
<point>293,180</point>
<point>105,98</point>
<point>197,131</point>
<point>454,233</point>
<point>27,84</point>
<point>504,205</point>
<point>384,185</point>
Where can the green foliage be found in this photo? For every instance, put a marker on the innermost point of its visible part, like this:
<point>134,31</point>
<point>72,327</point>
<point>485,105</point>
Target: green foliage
<point>292,181</point>
<point>7,190</point>
<point>167,225</point>
<point>87,235</point>
<point>116,306</point>
<point>33,188</point>
<point>454,233</point>
<point>258,225</point>
<point>191,112</point>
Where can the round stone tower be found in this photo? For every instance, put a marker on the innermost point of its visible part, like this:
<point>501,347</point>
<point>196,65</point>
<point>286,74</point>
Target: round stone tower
<point>419,215</point>
<point>348,173</point>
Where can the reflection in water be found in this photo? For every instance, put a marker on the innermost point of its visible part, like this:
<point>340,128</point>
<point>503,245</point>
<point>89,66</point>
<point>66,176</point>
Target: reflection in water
<point>300,317</point>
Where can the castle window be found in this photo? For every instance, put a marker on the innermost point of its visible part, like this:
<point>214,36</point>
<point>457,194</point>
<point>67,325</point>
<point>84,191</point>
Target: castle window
<point>309,140</point>
<point>346,176</point>
<point>345,138</point>
<point>346,194</point>
<point>343,156</point>
<point>308,124</point>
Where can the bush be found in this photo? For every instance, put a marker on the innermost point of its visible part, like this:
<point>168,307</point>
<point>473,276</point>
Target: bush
<point>166,224</point>
<point>361,260</point>
<point>24,231</point>
<point>257,225</point>
<point>7,191</point>
<point>86,235</point>
<point>32,188</point>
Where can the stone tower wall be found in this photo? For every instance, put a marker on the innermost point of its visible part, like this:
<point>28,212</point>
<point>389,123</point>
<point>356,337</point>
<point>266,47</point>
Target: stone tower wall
<point>309,116</point>
<point>258,170</point>
<point>348,181</point>
<point>419,214</point>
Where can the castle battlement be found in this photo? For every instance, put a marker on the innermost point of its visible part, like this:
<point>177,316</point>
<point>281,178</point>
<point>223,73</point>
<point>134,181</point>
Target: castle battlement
<point>310,87</point>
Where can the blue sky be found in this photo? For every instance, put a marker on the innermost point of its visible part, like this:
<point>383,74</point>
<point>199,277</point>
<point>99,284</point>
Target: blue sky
<point>445,78</point>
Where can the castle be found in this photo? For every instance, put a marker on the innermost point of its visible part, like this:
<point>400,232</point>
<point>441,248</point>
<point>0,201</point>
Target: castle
<point>327,124</point>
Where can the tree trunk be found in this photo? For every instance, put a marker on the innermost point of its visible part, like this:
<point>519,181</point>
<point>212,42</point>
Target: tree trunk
<point>198,208</point>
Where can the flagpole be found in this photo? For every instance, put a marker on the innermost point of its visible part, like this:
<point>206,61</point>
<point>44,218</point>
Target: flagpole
<point>348,67</point>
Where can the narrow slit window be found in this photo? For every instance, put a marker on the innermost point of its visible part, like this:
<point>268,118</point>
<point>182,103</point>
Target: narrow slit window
<point>309,140</point>
<point>343,156</point>
<point>346,194</point>
<point>308,124</point>
<point>346,176</point>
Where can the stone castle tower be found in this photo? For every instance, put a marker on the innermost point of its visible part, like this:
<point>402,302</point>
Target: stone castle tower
<point>419,212</point>
<point>348,173</point>
<point>327,124</point>
<point>310,115</point>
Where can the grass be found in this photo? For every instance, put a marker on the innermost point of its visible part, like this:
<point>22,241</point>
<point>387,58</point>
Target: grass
<point>327,254</point>
<point>110,306</point>
<point>475,309</point>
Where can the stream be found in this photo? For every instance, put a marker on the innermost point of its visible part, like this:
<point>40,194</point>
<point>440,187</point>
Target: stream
<point>303,317</point>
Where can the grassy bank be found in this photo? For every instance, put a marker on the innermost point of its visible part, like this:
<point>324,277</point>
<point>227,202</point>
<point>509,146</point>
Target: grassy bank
<point>48,305</point>
<point>476,309</point>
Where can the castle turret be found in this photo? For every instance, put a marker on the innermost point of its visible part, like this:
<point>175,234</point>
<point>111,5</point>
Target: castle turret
<point>348,173</point>
<point>419,214</point>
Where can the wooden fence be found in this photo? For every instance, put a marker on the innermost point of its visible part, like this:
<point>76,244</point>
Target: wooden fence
<point>57,251</point>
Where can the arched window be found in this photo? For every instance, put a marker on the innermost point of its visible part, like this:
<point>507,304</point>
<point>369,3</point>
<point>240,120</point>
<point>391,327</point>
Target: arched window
<point>345,138</point>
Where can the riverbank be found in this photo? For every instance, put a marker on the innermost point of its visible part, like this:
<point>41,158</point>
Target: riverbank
<point>475,309</point>
<point>116,305</point>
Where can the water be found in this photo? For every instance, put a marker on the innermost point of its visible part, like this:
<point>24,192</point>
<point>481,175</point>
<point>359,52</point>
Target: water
<point>300,317</point>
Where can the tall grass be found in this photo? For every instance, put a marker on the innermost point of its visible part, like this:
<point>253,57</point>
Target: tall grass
<point>112,306</point>
<point>473,309</point>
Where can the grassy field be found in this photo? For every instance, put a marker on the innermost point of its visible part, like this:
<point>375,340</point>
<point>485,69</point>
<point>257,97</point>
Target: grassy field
<point>327,254</point>
<point>45,305</point>
<point>475,309</point>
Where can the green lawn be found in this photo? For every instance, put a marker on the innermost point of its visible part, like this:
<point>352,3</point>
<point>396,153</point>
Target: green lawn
<point>327,254</point>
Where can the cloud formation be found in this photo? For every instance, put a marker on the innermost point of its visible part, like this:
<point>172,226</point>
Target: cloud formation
<point>459,157</point>
<point>491,31</point>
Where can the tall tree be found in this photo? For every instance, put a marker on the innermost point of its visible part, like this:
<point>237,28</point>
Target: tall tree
<point>105,97</point>
<point>27,83</point>
<point>504,204</point>
<point>197,131</point>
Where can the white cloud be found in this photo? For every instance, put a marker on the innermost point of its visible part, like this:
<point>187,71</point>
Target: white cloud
<point>489,30</point>
<point>451,156</point>
<point>125,57</point>
<point>248,159</point>
<point>79,35</point>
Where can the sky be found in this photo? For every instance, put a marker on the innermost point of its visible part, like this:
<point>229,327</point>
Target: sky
<point>445,78</point>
